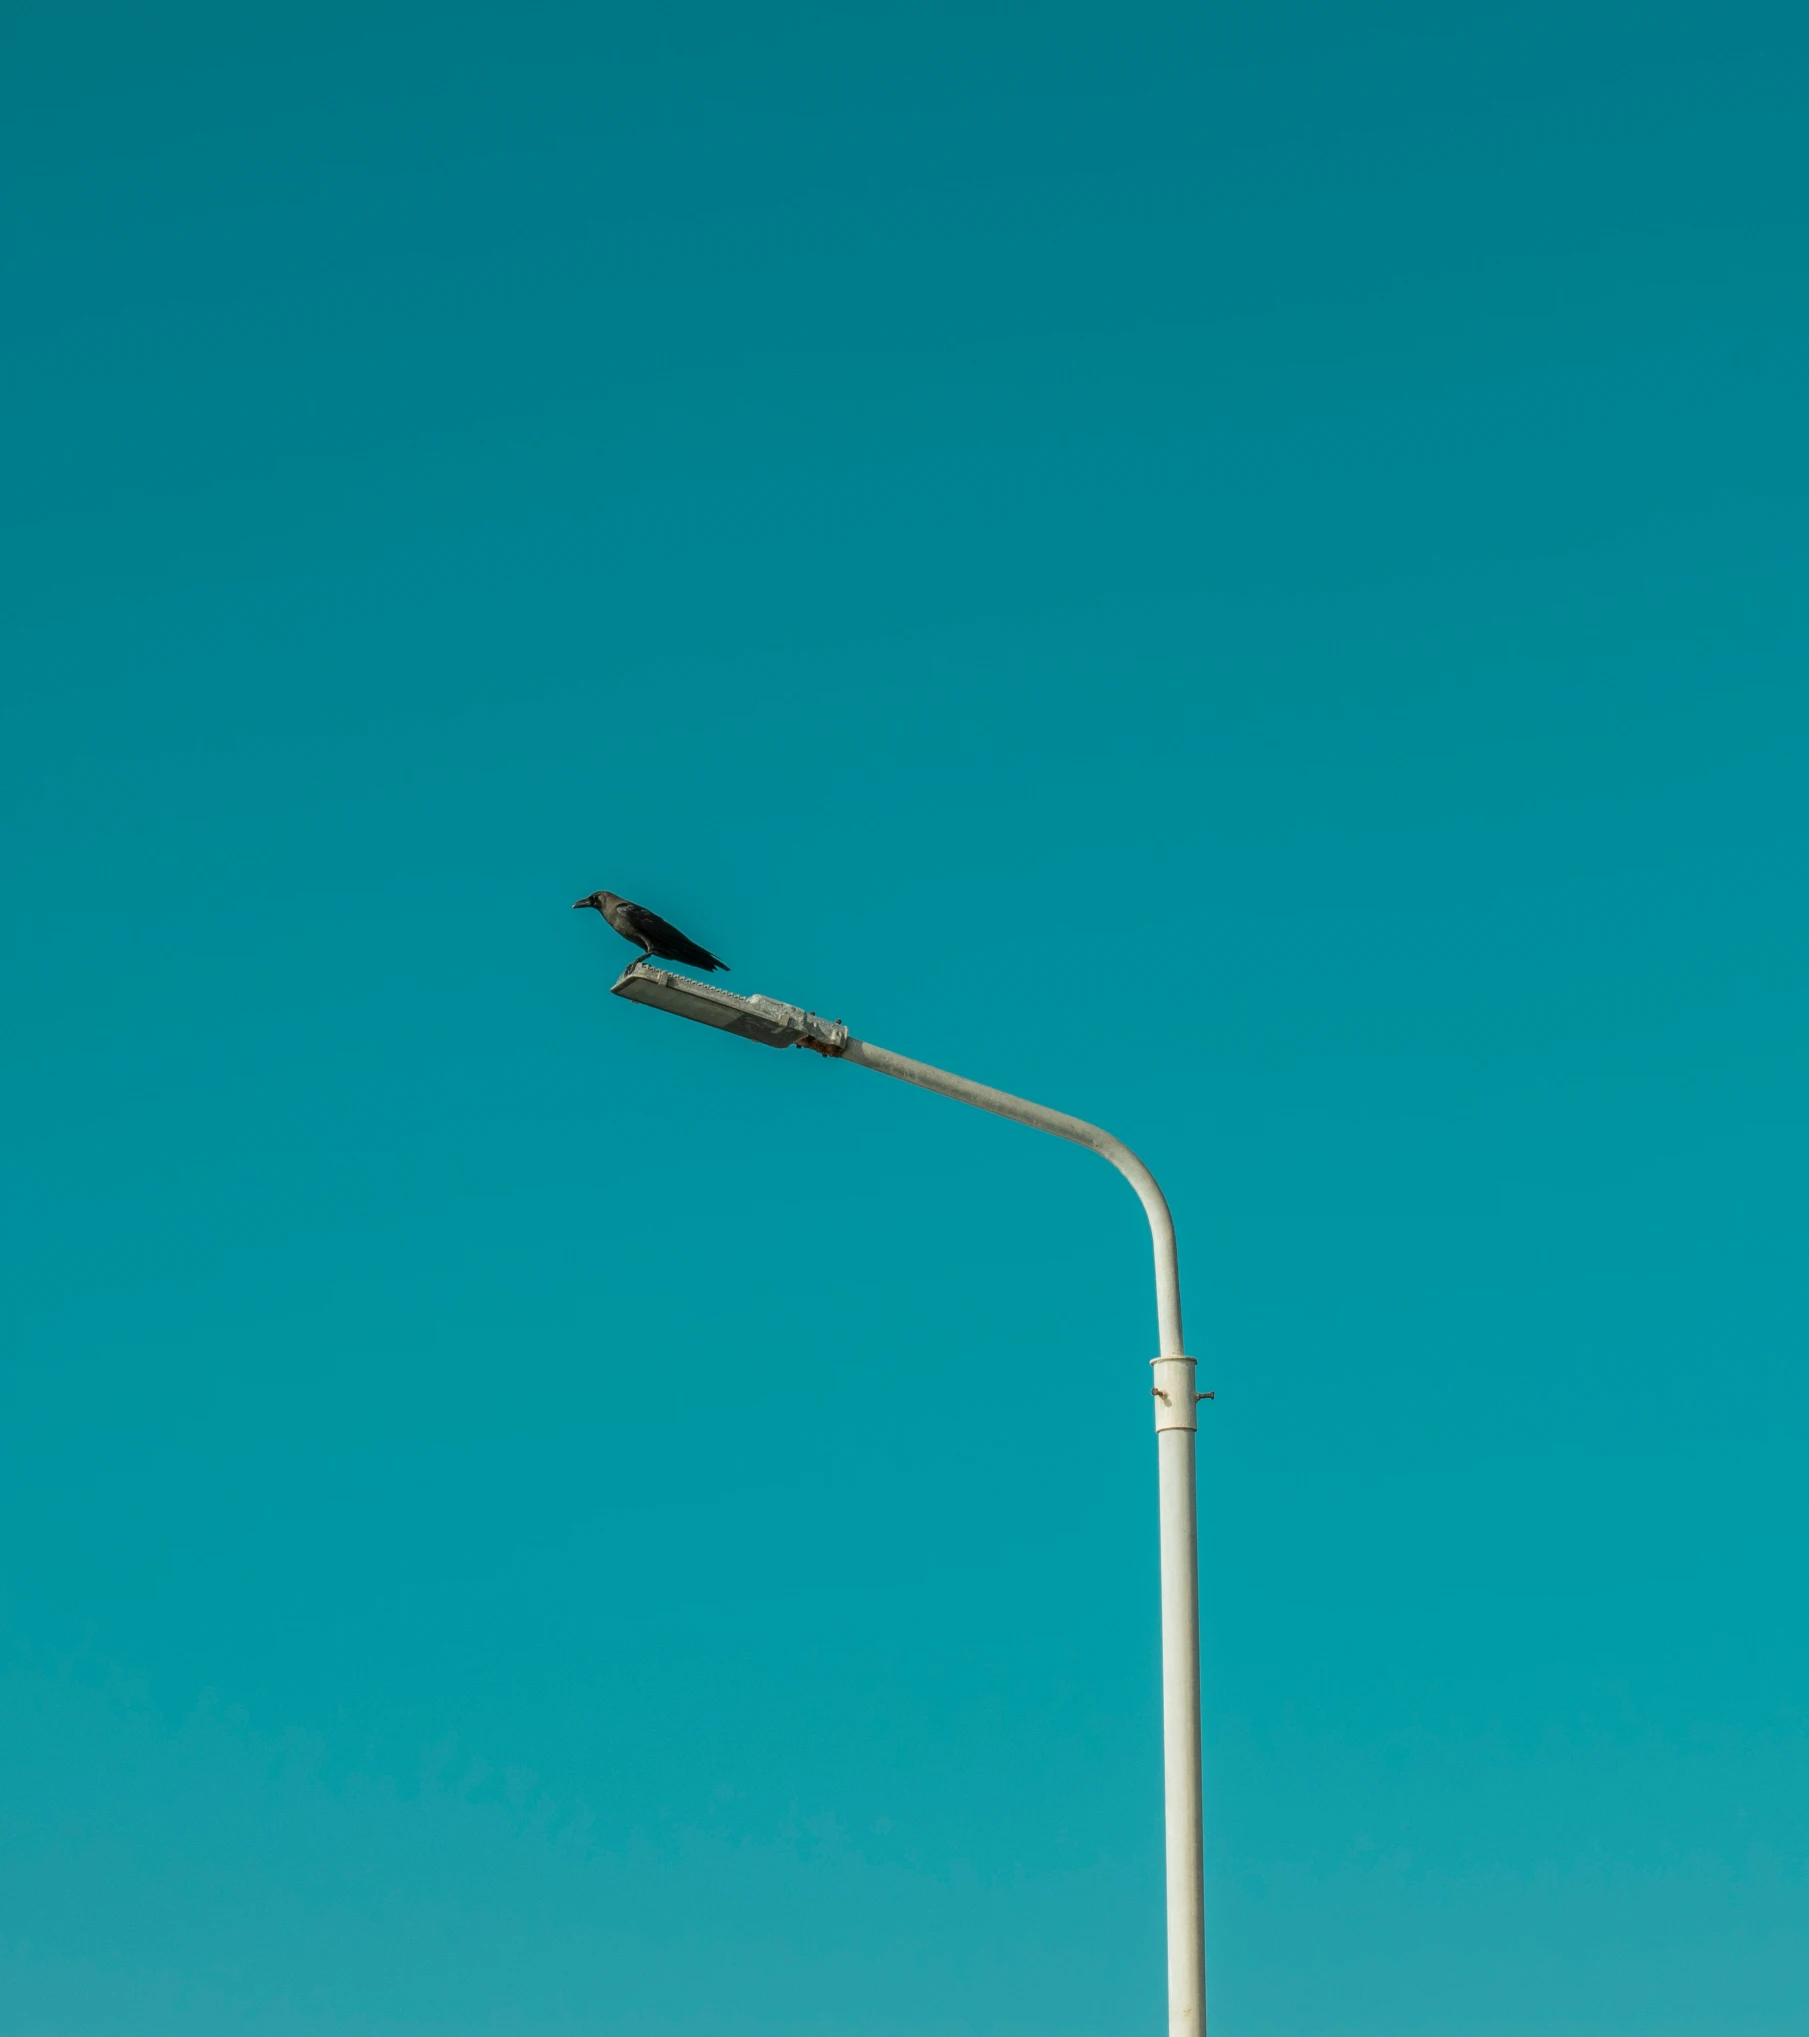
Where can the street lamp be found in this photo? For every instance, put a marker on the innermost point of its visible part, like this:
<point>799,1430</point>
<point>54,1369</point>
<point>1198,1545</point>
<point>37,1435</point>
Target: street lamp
<point>786,1025</point>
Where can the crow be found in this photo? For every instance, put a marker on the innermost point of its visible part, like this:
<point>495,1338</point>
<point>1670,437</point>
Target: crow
<point>650,933</point>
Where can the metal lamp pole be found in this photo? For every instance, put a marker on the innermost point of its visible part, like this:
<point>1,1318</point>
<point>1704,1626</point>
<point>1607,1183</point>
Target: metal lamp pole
<point>786,1025</point>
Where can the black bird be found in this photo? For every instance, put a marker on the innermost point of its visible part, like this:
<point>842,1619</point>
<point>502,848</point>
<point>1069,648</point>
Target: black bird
<point>650,933</point>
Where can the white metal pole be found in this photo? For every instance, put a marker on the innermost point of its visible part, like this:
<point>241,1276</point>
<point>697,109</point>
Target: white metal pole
<point>1176,1421</point>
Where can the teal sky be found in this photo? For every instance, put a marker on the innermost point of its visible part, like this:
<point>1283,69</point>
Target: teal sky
<point>1238,573</point>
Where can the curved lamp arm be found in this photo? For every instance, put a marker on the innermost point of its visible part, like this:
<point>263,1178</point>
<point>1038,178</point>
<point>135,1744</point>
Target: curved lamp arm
<point>1002,1104</point>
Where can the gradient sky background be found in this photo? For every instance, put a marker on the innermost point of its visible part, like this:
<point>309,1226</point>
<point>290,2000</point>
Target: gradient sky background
<point>1237,572</point>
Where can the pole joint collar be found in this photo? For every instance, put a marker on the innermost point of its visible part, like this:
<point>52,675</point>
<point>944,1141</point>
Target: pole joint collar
<point>1173,1394</point>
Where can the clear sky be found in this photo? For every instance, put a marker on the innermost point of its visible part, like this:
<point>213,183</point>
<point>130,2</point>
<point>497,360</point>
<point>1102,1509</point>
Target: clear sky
<point>1237,571</point>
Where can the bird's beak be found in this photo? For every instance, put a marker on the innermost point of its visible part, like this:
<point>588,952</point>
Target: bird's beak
<point>578,904</point>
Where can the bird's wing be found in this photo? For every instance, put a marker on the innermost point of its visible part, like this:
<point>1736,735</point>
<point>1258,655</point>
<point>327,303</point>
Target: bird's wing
<point>650,924</point>
<point>667,938</point>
